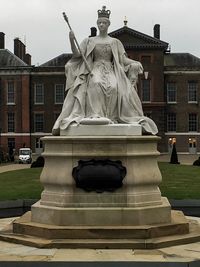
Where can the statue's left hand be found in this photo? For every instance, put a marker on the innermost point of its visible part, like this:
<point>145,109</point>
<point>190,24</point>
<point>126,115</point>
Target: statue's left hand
<point>71,35</point>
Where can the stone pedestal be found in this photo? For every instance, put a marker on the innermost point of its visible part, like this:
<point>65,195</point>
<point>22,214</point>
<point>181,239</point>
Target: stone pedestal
<point>133,216</point>
<point>137,202</point>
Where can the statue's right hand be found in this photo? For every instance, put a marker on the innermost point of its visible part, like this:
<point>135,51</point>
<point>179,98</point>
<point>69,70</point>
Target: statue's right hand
<point>71,35</point>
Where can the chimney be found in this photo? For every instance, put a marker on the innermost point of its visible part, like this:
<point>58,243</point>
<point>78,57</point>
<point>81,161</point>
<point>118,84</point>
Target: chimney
<point>23,48</point>
<point>93,32</point>
<point>19,49</point>
<point>2,40</point>
<point>156,31</point>
<point>27,59</point>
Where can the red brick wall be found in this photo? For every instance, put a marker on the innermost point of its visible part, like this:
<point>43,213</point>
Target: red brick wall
<point>25,104</point>
<point>21,109</point>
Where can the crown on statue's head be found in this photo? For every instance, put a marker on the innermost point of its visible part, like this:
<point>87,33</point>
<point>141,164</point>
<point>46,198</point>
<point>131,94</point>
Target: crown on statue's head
<point>103,13</point>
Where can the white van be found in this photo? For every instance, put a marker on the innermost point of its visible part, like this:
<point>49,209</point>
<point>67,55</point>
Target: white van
<point>25,155</point>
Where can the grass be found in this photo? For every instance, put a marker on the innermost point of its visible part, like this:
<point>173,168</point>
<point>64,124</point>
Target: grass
<point>20,184</point>
<point>179,182</point>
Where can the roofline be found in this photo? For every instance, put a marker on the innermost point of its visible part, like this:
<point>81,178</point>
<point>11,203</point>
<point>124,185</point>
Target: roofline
<point>19,59</point>
<point>125,28</point>
<point>144,46</point>
<point>17,68</point>
<point>68,54</point>
<point>183,53</point>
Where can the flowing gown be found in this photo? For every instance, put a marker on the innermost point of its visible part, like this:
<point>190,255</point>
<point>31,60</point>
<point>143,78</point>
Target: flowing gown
<point>109,92</point>
<point>101,95</point>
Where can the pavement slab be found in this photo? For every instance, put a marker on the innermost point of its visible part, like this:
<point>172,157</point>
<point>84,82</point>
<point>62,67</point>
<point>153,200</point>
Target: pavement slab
<point>15,252</point>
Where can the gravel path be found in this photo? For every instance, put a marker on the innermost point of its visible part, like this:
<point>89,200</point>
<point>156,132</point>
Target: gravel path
<point>12,167</point>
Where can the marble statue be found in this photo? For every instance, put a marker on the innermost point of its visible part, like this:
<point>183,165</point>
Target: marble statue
<point>101,83</point>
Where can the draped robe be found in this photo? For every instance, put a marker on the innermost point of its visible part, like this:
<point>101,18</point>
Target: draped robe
<point>129,108</point>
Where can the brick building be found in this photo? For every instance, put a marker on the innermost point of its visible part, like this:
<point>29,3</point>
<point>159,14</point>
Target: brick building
<point>46,98</point>
<point>14,96</point>
<point>182,94</point>
<point>31,97</point>
<point>150,51</point>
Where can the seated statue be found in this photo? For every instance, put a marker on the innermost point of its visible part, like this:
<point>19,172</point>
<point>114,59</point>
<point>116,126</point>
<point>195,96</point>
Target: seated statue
<point>102,90</point>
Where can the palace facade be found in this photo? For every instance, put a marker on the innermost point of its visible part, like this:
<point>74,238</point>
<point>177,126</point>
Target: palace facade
<point>31,97</point>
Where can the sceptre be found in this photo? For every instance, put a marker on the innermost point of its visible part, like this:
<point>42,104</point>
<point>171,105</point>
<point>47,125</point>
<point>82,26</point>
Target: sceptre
<point>79,49</point>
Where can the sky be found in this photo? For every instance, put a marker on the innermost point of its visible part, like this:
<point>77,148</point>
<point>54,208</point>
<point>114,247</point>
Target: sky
<point>40,24</point>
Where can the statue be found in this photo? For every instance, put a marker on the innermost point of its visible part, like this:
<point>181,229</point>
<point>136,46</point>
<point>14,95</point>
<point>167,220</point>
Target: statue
<point>101,83</point>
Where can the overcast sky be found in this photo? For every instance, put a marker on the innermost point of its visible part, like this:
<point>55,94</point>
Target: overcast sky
<point>40,24</point>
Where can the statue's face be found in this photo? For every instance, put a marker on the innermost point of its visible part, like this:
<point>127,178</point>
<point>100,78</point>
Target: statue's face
<point>103,24</point>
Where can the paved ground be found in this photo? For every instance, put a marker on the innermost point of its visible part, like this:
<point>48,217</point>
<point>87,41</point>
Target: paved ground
<point>186,159</point>
<point>12,167</point>
<point>17,252</point>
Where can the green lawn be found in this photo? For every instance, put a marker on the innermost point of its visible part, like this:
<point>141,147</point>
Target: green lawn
<point>179,182</point>
<point>20,184</point>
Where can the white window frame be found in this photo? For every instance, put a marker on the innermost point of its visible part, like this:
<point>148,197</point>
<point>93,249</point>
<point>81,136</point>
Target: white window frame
<point>11,121</point>
<point>149,99</point>
<point>168,90</point>
<point>168,121</point>
<point>36,87</point>
<point>194,122</point>
<point>55,93</point>
<point>195,89</point>
<point>35,130</point>
<point>8,93</point>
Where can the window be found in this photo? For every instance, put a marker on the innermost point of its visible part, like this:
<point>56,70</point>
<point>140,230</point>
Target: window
<point>59,93</point>
<point>39,94</point>
<point>171,122</point>
<point>146,90</point>
<point>192,92</point>
<point>11,122</point>
<point>38,143</point>
<point>10,93</point>
<point>192,122</point>
<point>171,92</point>
<point>39,122</point>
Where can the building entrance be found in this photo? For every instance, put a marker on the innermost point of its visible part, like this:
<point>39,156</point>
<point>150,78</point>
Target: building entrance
<point>171,141</point>
<point>38,146</point>
<point>192,144</point>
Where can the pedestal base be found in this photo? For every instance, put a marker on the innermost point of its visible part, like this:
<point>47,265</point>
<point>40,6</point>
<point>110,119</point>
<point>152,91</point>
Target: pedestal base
<point>133,216</point>
<point>138,155</point>
<point>29,233</point>
<point>102,216</point>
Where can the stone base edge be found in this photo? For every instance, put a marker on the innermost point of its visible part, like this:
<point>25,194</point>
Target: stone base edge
<point>103,130</point>
<point>109,243</point>
<point>103,216</point>
<point>178,225</point>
